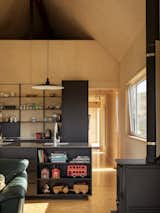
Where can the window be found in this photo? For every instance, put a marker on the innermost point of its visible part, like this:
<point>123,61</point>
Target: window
<point>137,108</point>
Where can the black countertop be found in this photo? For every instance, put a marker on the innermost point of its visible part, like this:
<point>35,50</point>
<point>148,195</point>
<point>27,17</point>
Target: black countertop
<point>42,144</point>
<point>22,139</point>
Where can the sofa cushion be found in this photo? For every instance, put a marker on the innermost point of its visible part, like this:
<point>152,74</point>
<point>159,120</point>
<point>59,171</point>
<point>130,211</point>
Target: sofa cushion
<point>2,182</point>
<point>10,168</point>
<point>15,189</point>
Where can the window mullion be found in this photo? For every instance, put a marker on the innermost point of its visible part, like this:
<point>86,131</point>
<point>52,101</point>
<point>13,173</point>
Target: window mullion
<point>136,112</point>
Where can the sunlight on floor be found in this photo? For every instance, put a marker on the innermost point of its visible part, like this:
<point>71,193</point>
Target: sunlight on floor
<point>36,207</point>
<point>98,153</point>
<point>103,170</point>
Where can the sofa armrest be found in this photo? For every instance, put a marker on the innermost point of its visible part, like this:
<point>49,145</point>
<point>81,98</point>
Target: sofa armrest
<point>15,189</point>
<point>11,168</point>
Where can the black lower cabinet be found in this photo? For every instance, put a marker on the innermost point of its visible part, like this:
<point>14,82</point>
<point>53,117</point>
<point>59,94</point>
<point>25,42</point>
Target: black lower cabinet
<point>10,129</point>
<point>138,188</point>
<point>50,179</point>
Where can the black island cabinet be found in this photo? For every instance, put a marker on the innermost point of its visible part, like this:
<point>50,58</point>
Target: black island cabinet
<point>54,172</point>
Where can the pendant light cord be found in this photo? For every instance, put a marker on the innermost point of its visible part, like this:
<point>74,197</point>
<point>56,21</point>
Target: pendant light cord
<point>31,35</point>
<point>31,5</point>
<point>47,59</point>
<point>31,61</point>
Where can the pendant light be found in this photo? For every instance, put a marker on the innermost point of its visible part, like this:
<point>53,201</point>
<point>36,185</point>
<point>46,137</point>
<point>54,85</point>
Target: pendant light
<point>47,85</point>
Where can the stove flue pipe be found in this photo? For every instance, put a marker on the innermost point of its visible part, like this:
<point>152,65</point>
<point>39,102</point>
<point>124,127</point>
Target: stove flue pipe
<point>152,34</point>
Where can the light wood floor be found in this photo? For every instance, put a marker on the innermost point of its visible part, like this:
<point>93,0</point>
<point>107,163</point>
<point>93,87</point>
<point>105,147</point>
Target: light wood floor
<point>102,200</point>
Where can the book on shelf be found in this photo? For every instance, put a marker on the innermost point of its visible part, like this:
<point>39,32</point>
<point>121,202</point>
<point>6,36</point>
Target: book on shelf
<point>41,156</point>
<point>58,157</point>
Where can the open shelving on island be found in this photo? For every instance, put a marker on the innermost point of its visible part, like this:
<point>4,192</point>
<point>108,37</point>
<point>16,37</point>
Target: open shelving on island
<point>71,182</point>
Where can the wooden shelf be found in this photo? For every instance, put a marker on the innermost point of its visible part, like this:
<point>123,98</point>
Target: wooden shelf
<point>30,96</point>
<point>39,109</point>
<point>23,96</point>
<point>10,97</point>
<point>53,109</point>
<point>39,122</point>
<point>32,122</point>
<point>9,109</point>
<point>39,96</point>
<point>3,122</point>
<point>31,109</point>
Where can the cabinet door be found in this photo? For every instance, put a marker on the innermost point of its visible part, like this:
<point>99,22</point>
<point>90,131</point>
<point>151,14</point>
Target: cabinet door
<point>142,189</point>
<point>10,129</point>
<point>121,188</point>
<point>75,111</point>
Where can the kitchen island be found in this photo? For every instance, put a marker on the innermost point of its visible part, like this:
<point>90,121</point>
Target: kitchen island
<point>68,165</point>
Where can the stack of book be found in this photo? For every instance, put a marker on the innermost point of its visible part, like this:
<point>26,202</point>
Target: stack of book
<point>58,158</point>
<point>80,159</point>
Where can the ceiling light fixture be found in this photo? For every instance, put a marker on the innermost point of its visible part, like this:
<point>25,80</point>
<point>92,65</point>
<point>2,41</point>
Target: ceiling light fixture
<point>47,85</point>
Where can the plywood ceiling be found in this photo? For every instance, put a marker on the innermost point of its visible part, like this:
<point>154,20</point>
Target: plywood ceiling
<point>14,18</point>
<point>115,24</point>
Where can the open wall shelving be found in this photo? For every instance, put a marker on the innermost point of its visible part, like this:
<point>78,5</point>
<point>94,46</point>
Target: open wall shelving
<point>28,111</point>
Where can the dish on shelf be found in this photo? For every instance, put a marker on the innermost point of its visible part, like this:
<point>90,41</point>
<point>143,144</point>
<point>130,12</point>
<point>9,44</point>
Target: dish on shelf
<point>32,122</point>
<point>6,143</point>
<point>6,95</point>
<point>53,107</point>
<point>53,95</point>
<point>31,106</point>
<point>9,107</point>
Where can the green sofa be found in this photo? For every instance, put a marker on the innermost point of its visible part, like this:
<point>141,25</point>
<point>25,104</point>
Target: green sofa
<point>13,195</point>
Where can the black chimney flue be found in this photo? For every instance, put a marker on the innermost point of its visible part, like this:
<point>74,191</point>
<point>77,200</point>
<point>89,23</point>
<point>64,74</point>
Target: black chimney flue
<point>152,34</point>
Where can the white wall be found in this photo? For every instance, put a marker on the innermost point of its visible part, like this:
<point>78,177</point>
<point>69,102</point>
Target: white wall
<point>131,64</point>
<point>72,60</point>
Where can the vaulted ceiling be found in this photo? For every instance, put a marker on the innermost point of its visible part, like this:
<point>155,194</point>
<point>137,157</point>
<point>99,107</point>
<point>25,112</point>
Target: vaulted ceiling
<point>115,24</point>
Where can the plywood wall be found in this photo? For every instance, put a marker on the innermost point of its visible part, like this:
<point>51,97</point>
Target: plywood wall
<point>26,62</point>
<point>132,63</point>
<point>109,123</point>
